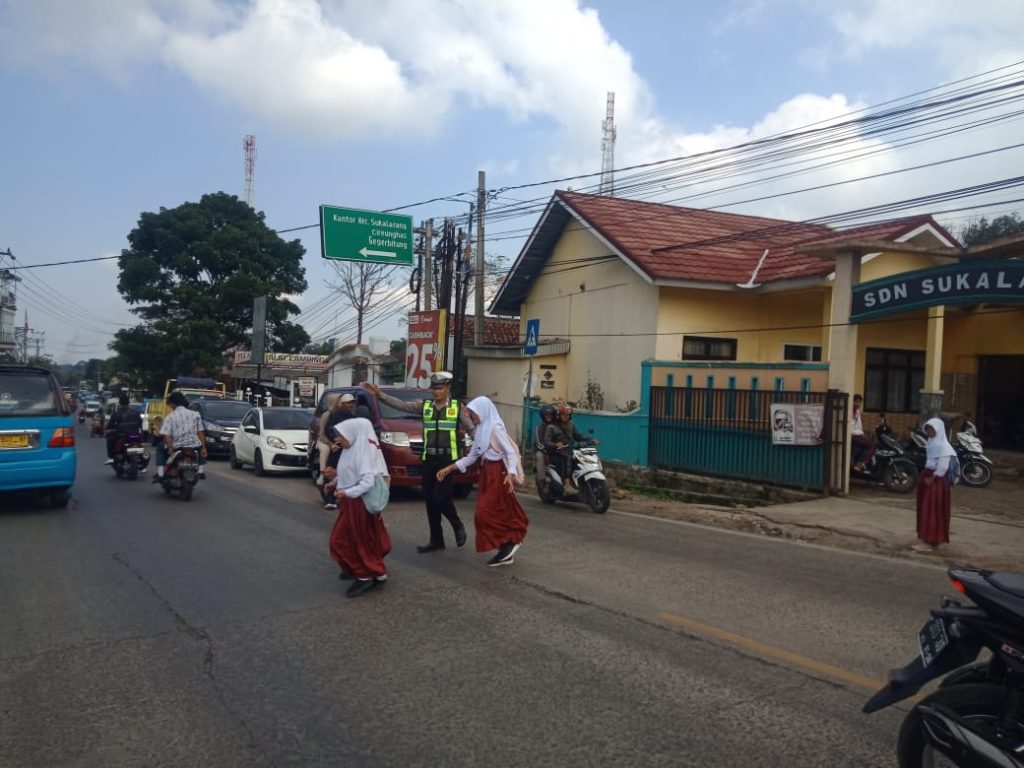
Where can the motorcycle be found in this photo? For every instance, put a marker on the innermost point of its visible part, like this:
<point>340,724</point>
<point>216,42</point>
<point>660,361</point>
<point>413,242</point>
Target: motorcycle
<point>975,466</point>
<point>181,473</point>
<point>976,717</point>
<point>81,417</point>
<point>130,457</point>
<point>587,481</point>
<point>96,427</point>
<point>890,465</point>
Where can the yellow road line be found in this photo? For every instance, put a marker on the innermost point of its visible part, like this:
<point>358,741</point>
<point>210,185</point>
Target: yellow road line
<point>781,654</point>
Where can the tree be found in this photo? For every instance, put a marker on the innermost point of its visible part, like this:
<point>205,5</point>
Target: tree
<point>359,282</point>
<point>323,348</point>
<point>393,371</point>
<point>191,274</point>
<point>983,230</point>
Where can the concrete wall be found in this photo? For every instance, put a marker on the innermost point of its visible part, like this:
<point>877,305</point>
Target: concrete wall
<point>500,379</point>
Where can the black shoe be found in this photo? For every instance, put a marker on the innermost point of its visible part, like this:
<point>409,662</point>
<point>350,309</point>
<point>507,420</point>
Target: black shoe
<point>460,535</point>
<point>202,476</point>
<point>429,548</point>
<point>359,587</point>
<point>504,556</point>
<point>345,576</point>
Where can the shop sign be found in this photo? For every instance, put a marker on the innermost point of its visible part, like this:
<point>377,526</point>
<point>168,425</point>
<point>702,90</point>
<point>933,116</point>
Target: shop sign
<point>967,282</point>
<point>284,359</point>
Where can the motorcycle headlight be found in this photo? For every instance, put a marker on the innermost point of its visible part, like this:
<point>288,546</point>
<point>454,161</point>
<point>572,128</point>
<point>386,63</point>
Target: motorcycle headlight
<point>277,442</point>
<point>399,439</point>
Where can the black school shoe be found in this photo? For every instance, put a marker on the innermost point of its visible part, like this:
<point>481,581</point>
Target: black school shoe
<point>429,548</point>
<point>504,556</point>
<point>460,535</point>
<point>359,587</point>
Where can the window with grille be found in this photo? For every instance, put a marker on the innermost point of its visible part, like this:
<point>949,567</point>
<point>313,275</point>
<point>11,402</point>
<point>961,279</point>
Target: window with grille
<point>802,353</point>
<point>893,379</point>
<point>708,348</point>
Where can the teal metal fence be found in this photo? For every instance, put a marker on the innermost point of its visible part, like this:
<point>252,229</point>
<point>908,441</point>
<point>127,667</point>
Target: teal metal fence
<point>727,433</point>
<point>622,436</point>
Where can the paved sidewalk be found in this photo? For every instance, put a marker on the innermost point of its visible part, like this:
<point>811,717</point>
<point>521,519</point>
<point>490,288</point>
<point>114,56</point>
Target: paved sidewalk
<point>987,527</point>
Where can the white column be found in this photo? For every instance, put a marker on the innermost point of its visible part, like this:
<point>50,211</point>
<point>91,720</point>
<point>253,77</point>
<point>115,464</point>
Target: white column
<point>842,360</point>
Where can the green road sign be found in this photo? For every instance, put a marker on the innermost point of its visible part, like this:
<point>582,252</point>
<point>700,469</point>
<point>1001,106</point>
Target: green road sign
<point>350,234</point>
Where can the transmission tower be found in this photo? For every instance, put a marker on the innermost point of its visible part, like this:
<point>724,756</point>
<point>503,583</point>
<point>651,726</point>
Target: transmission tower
<point>249,144</point>
<point>607,186</point>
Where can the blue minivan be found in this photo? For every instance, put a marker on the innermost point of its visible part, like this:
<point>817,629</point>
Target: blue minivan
<point>37,434</point>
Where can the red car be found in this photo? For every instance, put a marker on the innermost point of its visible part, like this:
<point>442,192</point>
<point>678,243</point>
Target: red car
<point>401,435</point>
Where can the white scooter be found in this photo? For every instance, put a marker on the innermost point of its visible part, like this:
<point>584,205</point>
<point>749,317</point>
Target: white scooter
<point>587,481</point>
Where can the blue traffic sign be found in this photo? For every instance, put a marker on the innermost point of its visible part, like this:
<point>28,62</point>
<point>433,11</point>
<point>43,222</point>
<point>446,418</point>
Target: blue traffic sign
<point>532,336</point>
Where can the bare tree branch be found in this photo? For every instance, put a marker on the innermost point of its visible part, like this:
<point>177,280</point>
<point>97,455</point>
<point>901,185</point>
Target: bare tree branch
<point>359,283</point>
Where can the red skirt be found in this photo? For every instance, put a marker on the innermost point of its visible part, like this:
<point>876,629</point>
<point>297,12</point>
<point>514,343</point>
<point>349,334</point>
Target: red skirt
<point>933,509</point>
<point>498,517</point>
<point>359,540</point>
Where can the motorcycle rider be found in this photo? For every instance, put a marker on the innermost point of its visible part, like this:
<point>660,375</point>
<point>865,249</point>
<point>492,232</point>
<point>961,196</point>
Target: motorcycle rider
<point>181,428</point>
<point>123,422</point>
<point>559,437</point>
<point>540,460</point>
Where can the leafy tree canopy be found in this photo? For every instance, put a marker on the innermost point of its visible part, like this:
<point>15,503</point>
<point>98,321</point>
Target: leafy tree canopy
<point>191,274</point>
<point>984,231</point>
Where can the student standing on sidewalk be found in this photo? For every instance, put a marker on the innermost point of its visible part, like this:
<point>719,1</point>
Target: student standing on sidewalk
<point>499,519</point>
<point>445,422</point>
<point>359,540</point>
<point>933,490</point>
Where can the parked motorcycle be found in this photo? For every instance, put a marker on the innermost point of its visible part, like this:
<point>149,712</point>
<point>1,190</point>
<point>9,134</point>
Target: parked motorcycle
<point>975,466</point>
<point>131,457</point>
<point>587,481</point>
<point>181,473</point>
<point>976,717</point>
<point>890,465</point>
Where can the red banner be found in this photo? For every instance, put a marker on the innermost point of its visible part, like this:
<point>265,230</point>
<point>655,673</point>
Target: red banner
<point>424,347</point>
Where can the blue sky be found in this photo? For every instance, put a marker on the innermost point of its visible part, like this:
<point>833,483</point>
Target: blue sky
<point>115,107</point>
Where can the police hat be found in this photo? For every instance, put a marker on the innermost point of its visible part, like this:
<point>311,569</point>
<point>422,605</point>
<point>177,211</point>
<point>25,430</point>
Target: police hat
<point>440,379</point>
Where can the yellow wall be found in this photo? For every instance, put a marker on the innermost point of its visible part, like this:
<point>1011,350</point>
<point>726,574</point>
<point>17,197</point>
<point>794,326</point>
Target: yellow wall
<point>761,323</point>
<point>607,312</point>
<point>986,330</point>
<point>502,381</point>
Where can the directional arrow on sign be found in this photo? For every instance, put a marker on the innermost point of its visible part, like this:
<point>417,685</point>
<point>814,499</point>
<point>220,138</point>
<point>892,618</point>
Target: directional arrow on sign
<point>367,252</point>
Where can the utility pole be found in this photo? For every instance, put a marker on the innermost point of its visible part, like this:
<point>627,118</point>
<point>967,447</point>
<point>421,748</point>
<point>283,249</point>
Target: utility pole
<point>428,265</point>
<point>478,298</point>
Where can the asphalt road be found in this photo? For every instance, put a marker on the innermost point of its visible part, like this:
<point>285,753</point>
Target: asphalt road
<point>145,631</point>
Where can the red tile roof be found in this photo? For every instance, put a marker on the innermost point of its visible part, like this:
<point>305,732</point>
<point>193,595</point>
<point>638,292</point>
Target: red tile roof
<point>668,242</point>
<point>497,330</point>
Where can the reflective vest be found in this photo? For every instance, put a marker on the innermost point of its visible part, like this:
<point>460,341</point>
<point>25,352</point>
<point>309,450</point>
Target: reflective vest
<point>446,422</point>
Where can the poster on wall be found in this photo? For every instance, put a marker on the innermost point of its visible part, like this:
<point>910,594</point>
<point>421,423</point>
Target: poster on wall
<point>797,423</point>
<point>424,350</point>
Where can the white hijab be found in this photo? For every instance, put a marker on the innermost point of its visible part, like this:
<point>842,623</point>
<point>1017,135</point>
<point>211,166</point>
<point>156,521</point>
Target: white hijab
<point>938,446</point>
<point>490,420</point>
<point>363,454</point>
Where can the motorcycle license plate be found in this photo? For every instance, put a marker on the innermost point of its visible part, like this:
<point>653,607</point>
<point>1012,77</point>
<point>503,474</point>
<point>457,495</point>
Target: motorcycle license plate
<point>135,450</point>
<point>932,639</point>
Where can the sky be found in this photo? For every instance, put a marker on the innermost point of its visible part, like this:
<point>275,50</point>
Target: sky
<point>117,107</point>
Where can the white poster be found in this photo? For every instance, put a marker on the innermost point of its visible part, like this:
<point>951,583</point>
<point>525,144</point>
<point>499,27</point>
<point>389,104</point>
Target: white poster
<point>797,424</point>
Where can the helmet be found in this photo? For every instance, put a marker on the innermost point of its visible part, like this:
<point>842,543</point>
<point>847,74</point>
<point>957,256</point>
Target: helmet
<point>548,412</point>
<point>564,410</point>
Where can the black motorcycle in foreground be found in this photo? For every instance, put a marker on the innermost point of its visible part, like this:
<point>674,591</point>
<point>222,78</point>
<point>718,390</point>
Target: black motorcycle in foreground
<point>181,473</point>
<point>130,457</point>
<point>890,465</point>
<point>976,717</point>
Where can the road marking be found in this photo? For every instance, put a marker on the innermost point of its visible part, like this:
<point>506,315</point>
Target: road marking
<point>781,654</point>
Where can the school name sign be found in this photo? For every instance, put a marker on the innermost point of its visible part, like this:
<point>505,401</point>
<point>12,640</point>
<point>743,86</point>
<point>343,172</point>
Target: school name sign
<point>970,282</point>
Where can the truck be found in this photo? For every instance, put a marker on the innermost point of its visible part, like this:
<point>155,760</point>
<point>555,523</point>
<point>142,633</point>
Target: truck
<point>191,387</point>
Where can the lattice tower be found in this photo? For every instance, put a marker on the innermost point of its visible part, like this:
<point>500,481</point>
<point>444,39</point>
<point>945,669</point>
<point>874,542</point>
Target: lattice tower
<point>607,186</point>
<point>249,144</point>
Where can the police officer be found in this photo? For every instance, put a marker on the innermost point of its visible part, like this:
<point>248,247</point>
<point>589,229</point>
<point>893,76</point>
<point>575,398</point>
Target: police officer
<point>445,421</point>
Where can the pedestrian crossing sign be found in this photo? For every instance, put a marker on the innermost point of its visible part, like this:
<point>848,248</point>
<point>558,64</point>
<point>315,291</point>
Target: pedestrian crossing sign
<point>532,337</point>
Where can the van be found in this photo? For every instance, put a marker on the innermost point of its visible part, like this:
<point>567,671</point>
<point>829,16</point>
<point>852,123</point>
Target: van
<point>401,435</point>
<point>37,435</point>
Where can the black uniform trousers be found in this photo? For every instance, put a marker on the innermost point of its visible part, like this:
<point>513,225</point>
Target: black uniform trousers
<point>438,496</point>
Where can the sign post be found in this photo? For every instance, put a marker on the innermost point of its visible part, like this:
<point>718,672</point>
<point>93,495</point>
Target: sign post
<point>529,349</point>
<point>350,234</point>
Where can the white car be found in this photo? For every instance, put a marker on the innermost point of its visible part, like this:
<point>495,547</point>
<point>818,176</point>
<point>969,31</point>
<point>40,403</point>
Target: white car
<point>272,440</point>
